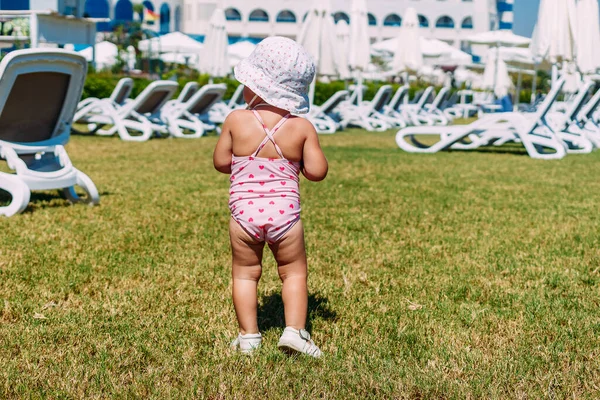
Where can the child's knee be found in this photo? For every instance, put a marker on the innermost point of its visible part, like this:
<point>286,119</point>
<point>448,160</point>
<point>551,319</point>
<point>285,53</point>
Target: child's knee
<point>294,270</point>
<point>250,273</point>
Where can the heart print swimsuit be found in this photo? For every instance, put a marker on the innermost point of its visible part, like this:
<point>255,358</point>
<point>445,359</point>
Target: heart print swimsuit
<point>264,196</point>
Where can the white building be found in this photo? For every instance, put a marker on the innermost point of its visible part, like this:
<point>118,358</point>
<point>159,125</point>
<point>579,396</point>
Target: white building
<point>448,20</point>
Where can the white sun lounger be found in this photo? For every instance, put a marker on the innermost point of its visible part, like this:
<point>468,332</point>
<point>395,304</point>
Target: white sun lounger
<point>369,115</point>
<point>585,120</point>
<point>140,115</point>
<point>221,110</point>
<point>414,113</point>
<point>320,116</point>
<point>392,109</point>
<point>463,108</point>
<point>193,115</point>
<point>565,125</point>
<point>434,111</point>
<point>39,91</point>
<point>534,133</point>
<point>117,98</point>
<point>19,193</point>
<point>190,89</point>
<point>93,106</point>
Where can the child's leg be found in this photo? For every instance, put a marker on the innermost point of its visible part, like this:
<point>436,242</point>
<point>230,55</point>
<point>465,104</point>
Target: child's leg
<point>246,271</point>
<point>291,262</point>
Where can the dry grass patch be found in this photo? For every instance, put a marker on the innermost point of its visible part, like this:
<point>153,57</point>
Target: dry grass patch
<point>453,275</point>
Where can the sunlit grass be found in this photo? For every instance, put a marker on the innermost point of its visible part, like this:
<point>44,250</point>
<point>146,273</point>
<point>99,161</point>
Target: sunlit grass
<point>452,275</point>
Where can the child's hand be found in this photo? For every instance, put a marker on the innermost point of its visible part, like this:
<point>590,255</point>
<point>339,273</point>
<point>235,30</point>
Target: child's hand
<point>314,164</point>
<point>224,149</point>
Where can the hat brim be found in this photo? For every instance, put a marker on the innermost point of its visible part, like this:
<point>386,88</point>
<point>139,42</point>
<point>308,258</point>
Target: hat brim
<point>276,95</point>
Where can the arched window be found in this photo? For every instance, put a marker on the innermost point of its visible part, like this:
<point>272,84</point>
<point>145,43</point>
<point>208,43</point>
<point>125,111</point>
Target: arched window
<point>165,18</point>
<point>98,9</point>
<point>259,16</point>
<point>372,19</point>
<point>423,21</point>
<point>392,20</point>
<point>231,14</point>
<point>123,11</point>
<point>467,23</point>
<point>177,19</point>
<point>338,16</point>
<point>445,22</point>
<point>286,16</point>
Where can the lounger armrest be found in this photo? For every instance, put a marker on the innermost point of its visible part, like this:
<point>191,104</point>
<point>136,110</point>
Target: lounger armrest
<point>13,160</point>
<point>86,101</point>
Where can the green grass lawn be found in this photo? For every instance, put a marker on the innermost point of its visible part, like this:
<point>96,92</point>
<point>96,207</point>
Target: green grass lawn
<point>454,275</point>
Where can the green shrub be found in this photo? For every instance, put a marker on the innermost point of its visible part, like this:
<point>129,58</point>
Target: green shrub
<point>101,85</point>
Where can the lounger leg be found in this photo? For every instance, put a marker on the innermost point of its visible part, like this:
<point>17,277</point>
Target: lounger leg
<point>84,181</point>
<point>535,144</point>
<point>176,126</point>
<point>144,127</point>
<point>592,133</point>
<point>576,140</point>
<point>19,192</point>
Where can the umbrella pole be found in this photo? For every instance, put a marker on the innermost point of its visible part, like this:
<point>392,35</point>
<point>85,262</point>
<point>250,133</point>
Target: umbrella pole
<point>311,91</point>
<point>534,84</point>
<point>554,73</point>
<point>496,72</point>
<point>94,56</point>
<point>518,93</point>
<point>360,85</point>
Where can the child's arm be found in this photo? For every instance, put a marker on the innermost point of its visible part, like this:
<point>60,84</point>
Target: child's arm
<point>224,149</point>
<point>314,163</point>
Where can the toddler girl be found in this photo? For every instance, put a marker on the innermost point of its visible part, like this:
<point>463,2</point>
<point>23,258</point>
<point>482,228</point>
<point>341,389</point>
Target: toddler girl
<point>264,148</point>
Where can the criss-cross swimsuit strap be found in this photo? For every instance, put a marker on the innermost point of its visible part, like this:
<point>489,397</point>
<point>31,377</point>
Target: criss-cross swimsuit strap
<point>270,133</point>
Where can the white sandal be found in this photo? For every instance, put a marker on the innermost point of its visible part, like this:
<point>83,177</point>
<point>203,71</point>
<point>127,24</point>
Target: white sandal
<point>298,341</point>
<point>247,343</point>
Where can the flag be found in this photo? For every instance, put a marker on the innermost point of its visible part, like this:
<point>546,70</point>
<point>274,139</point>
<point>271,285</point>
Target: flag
<point>150,16</point>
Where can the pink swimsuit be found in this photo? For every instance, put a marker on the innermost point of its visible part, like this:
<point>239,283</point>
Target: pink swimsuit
<point>264,197</point>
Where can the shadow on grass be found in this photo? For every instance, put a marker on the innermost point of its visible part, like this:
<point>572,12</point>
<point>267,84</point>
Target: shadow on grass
<point>45,199</point>
<point>271,316</point>
<point>518,151</point>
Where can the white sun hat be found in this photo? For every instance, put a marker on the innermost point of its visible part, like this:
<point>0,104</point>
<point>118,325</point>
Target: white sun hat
<point>279,71</point>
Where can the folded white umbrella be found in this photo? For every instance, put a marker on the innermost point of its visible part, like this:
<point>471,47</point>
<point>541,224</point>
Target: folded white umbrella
<point>130,57</point>
<point>317,35</point>
<point>495,75</point>
<point>408,55</point>
<point>214,59</point>
<point>174,42</point>
<point>106,54</point>
<point>572,78</point>
<point>359,54</point>
<point>342,32</point>
<point>588,36</point>
<point>555,33</point>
